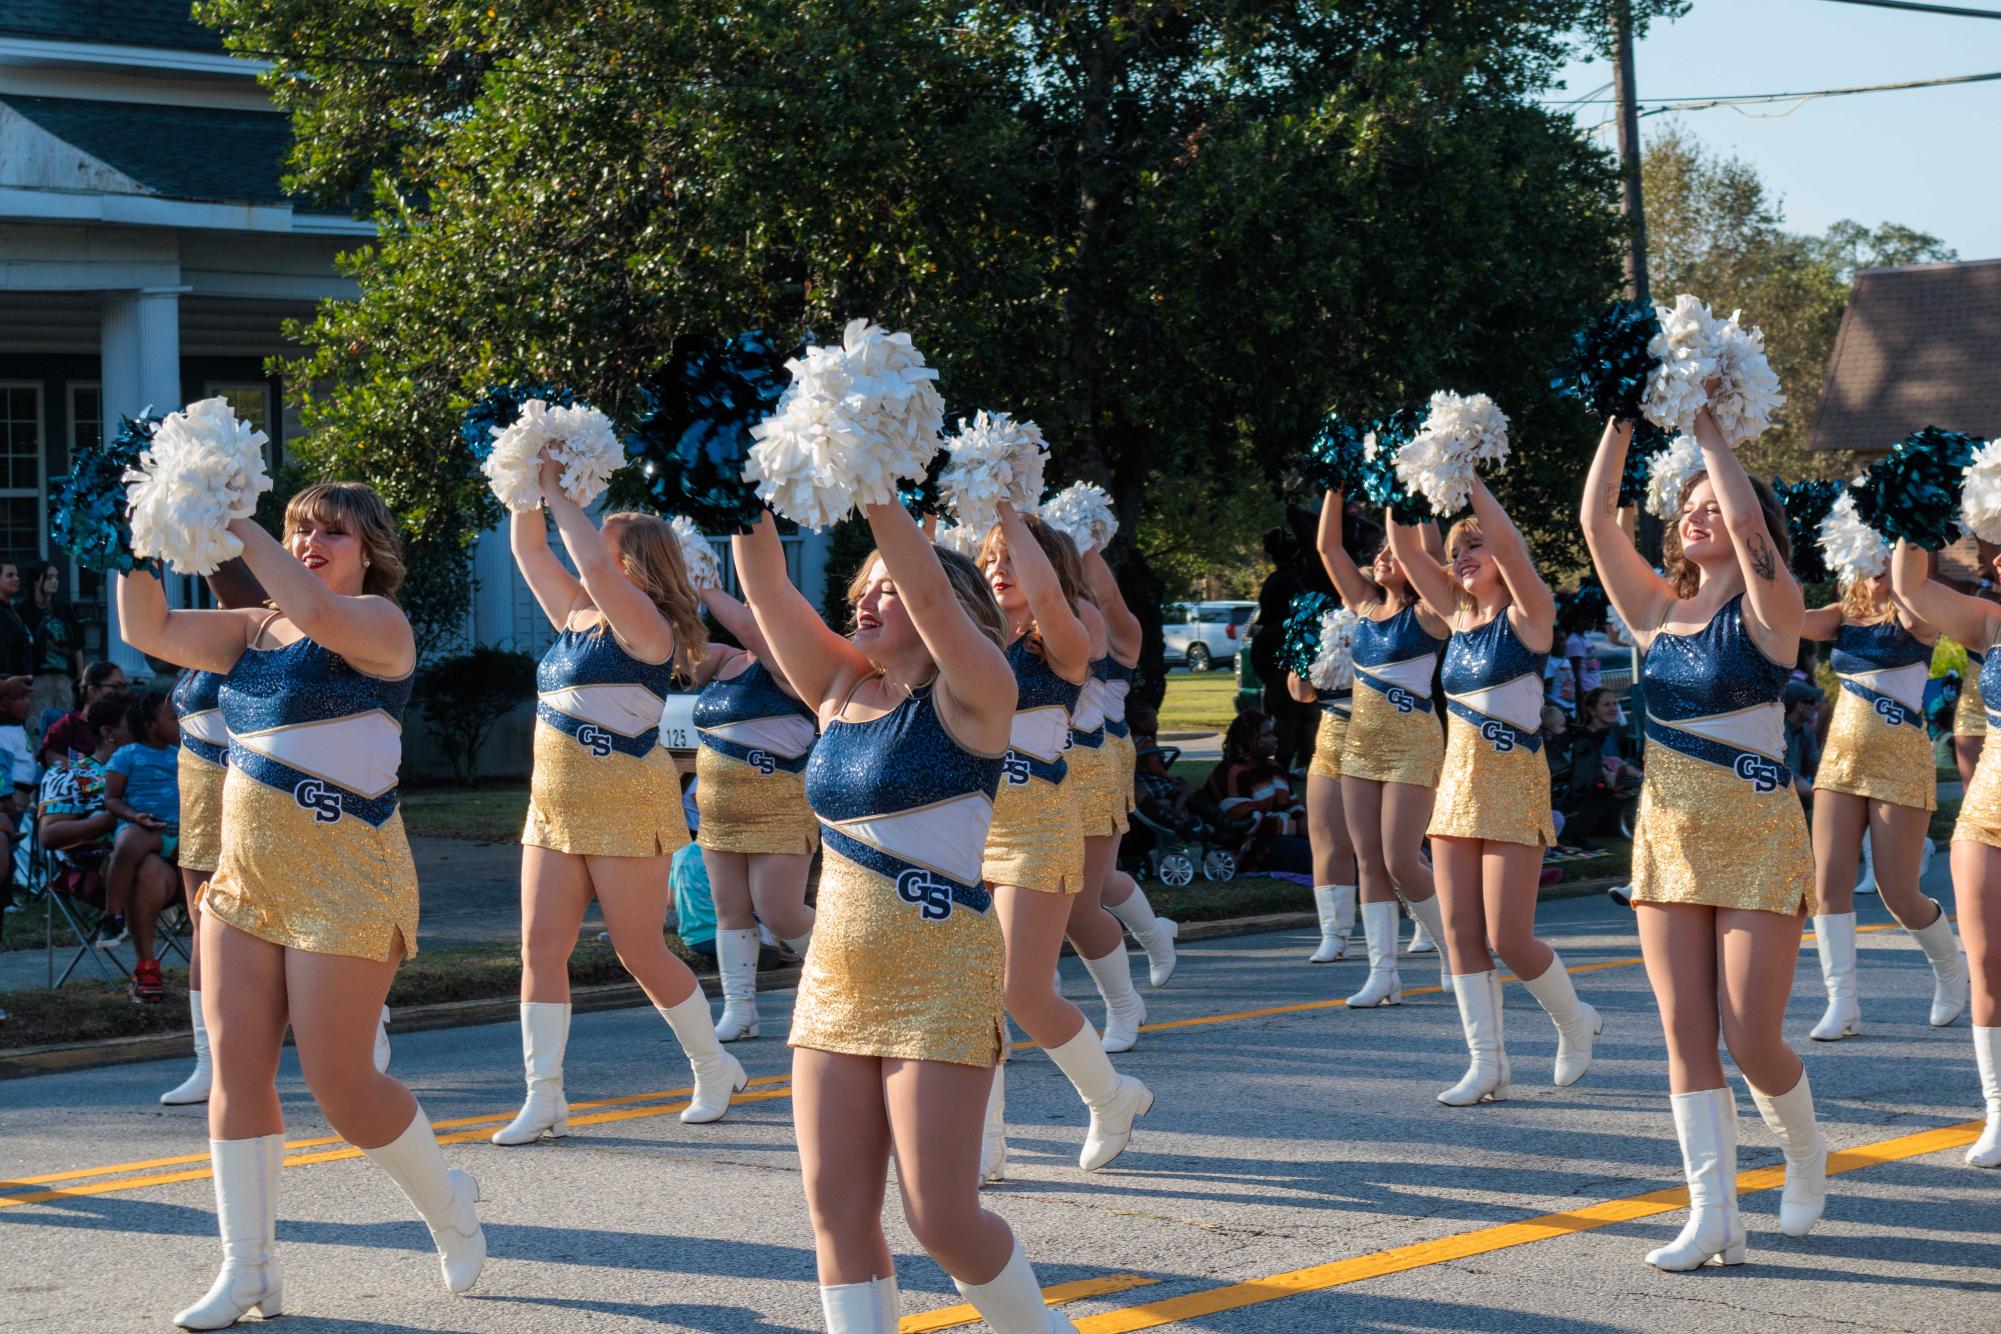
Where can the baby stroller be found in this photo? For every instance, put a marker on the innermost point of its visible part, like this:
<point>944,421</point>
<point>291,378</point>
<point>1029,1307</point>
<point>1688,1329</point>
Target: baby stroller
<point>1167,847</point>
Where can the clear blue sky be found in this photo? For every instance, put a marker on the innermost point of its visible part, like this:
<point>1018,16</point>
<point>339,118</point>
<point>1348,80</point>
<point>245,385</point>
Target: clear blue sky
<point>1929,158</point>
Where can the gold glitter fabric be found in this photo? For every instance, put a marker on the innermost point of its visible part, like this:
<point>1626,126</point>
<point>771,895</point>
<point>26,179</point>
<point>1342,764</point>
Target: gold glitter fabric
<point>1980,812</point>
<point>746,810</point>
<point>331,887</point>
<point>1500,795</point>
<point>1868,757</point>
<point>1969,718</point>
<point>1092,785</point>
<point>882,980</point>
<point>602,805</point>
<point>201,812</point>
<point>1125,764</point>
<point>1386,746</point>
<point>1707,836</point>
<point>1328,743</point>
<point>1036,840</point>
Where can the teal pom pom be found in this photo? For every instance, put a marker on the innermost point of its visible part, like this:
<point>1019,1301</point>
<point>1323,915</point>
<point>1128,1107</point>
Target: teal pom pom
<point>920,495</point>
<point>693,441</point>
<point>1912,493</point>
<point>1609,364</point>
<point>500,407</point>
<point>1380,483</point>
<point>1299,642</point>
<point>91,518</point>
<point>1648,442</point>
<point>1806,504</point>
<point>1334,460</point>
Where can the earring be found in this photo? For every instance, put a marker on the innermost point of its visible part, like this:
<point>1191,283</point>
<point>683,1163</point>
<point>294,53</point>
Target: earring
<point>365,562</point>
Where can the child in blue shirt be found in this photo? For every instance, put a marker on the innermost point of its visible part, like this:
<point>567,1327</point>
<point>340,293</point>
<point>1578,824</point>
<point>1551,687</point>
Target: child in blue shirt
<point>142,788</point>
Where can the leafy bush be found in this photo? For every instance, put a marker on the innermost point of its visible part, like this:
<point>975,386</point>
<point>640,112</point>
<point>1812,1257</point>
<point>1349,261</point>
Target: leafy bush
<point>463,697</point>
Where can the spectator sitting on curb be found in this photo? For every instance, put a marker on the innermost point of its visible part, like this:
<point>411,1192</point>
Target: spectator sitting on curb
<point>142,788</point>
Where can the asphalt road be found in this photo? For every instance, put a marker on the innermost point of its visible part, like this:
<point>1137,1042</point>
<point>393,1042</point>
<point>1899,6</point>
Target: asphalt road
<point>1295,1175</point>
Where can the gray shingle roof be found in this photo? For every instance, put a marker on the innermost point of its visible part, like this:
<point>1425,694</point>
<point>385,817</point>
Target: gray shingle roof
<point>201,153</point>
<point>161,23</point>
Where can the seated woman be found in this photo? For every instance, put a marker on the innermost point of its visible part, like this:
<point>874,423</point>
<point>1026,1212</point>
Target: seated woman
<point>1593,770</point>
<point>1250,782</point>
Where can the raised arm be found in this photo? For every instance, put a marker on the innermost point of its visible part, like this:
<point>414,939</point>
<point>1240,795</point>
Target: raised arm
<point>211,641</point>
<point>1534,609</point>
<point>736,618</point>
<point>1774,596</point>
<point>1354,587</point>
<point>630,612</point>
<point>1427,573</point>
<point>234,585</point>
<point>977,685</point>
<point>1640,596</point>
<point>820,664</point>
<point>1122,628</point>
<point>1974,622</point>
<point>1066,645</point>
<point>1821,624</point>
<point>556,590</point>
<point>372,633</point>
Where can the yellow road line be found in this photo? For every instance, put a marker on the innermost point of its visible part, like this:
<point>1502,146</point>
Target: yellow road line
<point>957,1317</point>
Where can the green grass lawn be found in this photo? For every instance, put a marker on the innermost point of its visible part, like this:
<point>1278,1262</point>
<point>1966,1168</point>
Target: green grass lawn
<point>482,814</point>
<point>1199,702</point>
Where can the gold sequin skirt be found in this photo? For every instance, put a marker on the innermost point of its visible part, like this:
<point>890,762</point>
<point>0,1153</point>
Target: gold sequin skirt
<point>1868,757</point>
<point>201,812</point>
<point>1705,836</point>
<point>1385,746</point>
<point>1125,765</point>
<point>602,806</point>
<point>1499,795</point>
<point>1980,811</point>
<point>1328,742</point>
<point>880,980</point>
<point>1036,840</point>
<point>1969,716</point>
<point>1093,786</point>
<point>751,812</point>
<point>346,887</point>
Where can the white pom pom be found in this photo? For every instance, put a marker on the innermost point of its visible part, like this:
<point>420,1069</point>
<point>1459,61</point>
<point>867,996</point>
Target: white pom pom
<point>580,438</point>
<point>994,458</point>
<point>704,570</point>
<point>1616,628</point>
<point>962,538</point>
<point>1694,345</point>
<point>202,469</point>
<point>1852,549</point>
<point>1668,472</point>
<point>1749,396</point>
<point>1334,667</point>
<point>856,420</point>
<point>1458,435</point>
<point>1083,512</point>
<point>1980,504</point>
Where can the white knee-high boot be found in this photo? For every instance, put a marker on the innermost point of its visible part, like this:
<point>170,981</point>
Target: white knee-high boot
<point>1012,1301</point>
<point>1124,1010</point>
<point>1986,1151</point>
<point>1576,1022</point>
<point>1431,921</point>
<point>1790,1117</point>
<point>1949,977</point>
<point>736,963</point>
<point>717,1073</point>
<point>444,1199</point>
<point>246,1214</point>
<point>1480,1015</point>
<point>1114,1100</point>
<point>545,1032</point>
<point>861,1308</point>
<point>1155,934</point>
<point>1336,906</point>
<point>1706,1124</point>
<point>1380,928</point>
<point>1834,941</point>
<point>195,1087</point>
<point>993,1136</point>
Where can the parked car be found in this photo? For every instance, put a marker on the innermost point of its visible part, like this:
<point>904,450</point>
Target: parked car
<point>1202,635</point>
<point>677,728</point>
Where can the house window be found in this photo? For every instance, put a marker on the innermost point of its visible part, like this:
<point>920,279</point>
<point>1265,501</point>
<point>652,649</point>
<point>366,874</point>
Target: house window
<point>250,400</point>
<point>21,508</point>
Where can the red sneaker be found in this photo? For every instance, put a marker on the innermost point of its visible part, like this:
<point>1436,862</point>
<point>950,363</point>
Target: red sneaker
<point>147,986</point>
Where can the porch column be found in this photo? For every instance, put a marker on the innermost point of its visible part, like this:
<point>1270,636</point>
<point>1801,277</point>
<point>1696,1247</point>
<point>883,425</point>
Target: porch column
<point>140,345</point>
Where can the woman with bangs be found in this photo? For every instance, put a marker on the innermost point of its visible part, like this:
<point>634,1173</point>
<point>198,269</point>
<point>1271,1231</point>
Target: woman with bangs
<point>313,902</point>
<point>1035,848</point>
<point>1491,818</point>
<point>898,1024</point>
<point>1876,776</point>
<point>1392,751</point>
<point>1722,872</point>
<point>604,805</point>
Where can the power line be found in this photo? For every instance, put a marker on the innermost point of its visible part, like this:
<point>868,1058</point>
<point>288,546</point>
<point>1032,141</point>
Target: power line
<point>1658,105</point>
<point>1954,11</point>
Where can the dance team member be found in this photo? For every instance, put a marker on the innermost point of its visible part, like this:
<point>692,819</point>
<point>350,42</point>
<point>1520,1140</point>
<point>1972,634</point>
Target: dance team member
<point>1876,776</point>
<point>1035,847</point>
<point>1391,754</point>
<point>1491,819</point>
<point>757,833</point>
<point>1722,868</point>
<point>1335,872</point>
<point>604,806</point>
<point>898,1023</point>
<point>314,898</point>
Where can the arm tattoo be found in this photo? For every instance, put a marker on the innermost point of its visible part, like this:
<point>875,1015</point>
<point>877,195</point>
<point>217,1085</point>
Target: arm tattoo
<point>1764,563</point>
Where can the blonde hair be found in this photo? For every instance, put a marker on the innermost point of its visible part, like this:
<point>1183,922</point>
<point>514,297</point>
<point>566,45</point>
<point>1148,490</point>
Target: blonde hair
<point>1057,546</point>
<point>1465,528</point>
<point>650,555</point>
<point>976,599</point>
<point>356,508</point>
<point>1682,575</point>
<point>1858,601</point>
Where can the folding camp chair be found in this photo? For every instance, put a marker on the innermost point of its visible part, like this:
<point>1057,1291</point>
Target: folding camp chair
<point>74,892</point>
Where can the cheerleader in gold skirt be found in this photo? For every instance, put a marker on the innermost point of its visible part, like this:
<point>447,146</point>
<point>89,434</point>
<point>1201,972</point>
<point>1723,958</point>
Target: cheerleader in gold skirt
<point>1876,776</point>
<point>1722,873</point>
<point>313,902</point>
<point>1976,838</point>
<point>898,1023</point>
<point>1969,718</point>
<point>1491,819</point>
<point>1035,849</point>
<point>757,832</point>
<point>1334,870</point>
<point>604,800</point>
<point>1392,749</point>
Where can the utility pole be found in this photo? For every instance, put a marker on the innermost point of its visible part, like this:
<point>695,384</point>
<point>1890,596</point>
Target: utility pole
<point>1625,94</point>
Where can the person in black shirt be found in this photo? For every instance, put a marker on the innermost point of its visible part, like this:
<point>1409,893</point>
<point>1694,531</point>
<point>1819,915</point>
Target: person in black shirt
<point>17,642</point>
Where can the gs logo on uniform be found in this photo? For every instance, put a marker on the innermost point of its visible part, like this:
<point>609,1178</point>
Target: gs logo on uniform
<point>1762,774</point>
<point>1893,712</point>
<point>1498,735</point>
<point>930,896</point>
<point>1015,769</point>
<point>595,740</point>
<point>1401,698</point>
<point>762,761</point>
<point>317,797</point>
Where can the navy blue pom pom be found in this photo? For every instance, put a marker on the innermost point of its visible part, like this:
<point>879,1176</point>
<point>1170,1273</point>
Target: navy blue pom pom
<point>1334,460</point>
<point>920,496</point>
<point>91,518</point>
<point>1912,493</point>
<point>694,437</point>
<point>1806,504</point>
<point>1299,643</point>
<point>500,407</point>
<point>1609,365</point>
<point>1380,483</point>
